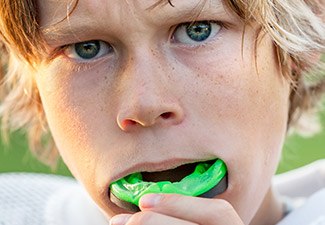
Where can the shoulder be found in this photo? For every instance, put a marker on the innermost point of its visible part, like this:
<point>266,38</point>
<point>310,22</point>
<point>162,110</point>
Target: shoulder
<point>303,189</point>
<point>301,182</point>
<point>24,196</point>
<point>312,212</point>
<point>40,199</point>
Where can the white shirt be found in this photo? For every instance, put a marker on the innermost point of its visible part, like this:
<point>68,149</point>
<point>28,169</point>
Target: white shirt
<point>312,212</point>
<point>39,199</point>
<point>304,191</point>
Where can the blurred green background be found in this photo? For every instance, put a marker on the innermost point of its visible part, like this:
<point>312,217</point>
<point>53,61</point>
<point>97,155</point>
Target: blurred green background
<point>298,151</point>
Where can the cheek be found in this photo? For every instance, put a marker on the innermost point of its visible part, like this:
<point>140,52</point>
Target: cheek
<point>68,103</point>
<point>233,91</point>
<point>245,103</point>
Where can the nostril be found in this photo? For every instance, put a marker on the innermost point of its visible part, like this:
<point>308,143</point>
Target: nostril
<point>166,115</point>
<point>128,122</point>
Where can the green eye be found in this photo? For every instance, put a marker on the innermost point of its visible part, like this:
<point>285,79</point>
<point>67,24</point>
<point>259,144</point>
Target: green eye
<point>198,31</point>
<point>88,50</point>
<point>192,33</point>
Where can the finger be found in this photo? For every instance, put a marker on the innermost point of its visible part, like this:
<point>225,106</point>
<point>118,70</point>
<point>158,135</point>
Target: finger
<point>147,218</point>
<point>198,210</point>
<point>120,219</point>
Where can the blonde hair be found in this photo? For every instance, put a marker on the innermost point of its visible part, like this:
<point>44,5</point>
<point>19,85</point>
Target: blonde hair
<point>295,26</point>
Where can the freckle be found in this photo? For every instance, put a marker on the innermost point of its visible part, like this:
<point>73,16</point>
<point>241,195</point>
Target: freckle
<point>153,52</point>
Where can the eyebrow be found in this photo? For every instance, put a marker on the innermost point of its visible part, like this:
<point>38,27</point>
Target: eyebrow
<point>182,12</point>
<point>193,8</point>
<point>161,2</point>
<point>65,28</point>
<point>177,10</point>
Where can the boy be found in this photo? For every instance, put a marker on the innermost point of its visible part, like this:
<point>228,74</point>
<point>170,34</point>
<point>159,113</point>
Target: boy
<point>145,86</point>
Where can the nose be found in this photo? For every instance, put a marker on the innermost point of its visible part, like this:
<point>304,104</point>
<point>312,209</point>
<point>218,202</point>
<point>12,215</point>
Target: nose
<point>148,97</point>
<point>149,115</point>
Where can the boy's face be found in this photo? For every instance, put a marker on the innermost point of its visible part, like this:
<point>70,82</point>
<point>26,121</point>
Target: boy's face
<point>152,96</point>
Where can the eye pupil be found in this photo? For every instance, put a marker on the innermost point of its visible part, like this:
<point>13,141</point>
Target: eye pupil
<point>199,31</point>
<point>87,50</point>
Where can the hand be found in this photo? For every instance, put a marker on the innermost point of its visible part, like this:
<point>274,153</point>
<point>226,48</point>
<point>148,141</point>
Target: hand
<point>159,209</point>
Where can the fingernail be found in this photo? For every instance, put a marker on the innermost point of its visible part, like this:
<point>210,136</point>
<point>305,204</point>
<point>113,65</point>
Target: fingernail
<point>150,200</point>
<point>119,219</point>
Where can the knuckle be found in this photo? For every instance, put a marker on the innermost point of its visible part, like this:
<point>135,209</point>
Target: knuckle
<point>218,210</point>
<point>225,204</point>
<point>218,207</point>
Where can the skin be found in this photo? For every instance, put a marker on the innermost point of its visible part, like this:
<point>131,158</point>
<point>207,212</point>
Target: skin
<point>155,103</point>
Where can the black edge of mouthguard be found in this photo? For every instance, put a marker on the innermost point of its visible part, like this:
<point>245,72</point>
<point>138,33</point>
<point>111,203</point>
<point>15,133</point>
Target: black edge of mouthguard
<point>124,204</point>
<point>218,189</point>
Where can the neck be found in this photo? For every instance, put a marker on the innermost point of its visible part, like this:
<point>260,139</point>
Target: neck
<point>270,212</point>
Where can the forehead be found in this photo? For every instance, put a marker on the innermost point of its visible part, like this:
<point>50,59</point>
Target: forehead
<point>54,11</point>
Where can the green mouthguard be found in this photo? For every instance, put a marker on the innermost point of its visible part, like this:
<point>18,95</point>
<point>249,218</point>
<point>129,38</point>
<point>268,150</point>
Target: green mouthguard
<point>205,176</point>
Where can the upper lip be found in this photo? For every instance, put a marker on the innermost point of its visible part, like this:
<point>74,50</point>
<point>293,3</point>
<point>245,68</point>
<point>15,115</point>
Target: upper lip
<point>156,166</point>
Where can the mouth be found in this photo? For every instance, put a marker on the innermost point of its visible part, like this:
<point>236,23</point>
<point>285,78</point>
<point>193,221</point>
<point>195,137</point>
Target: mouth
<point>204,179</point>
